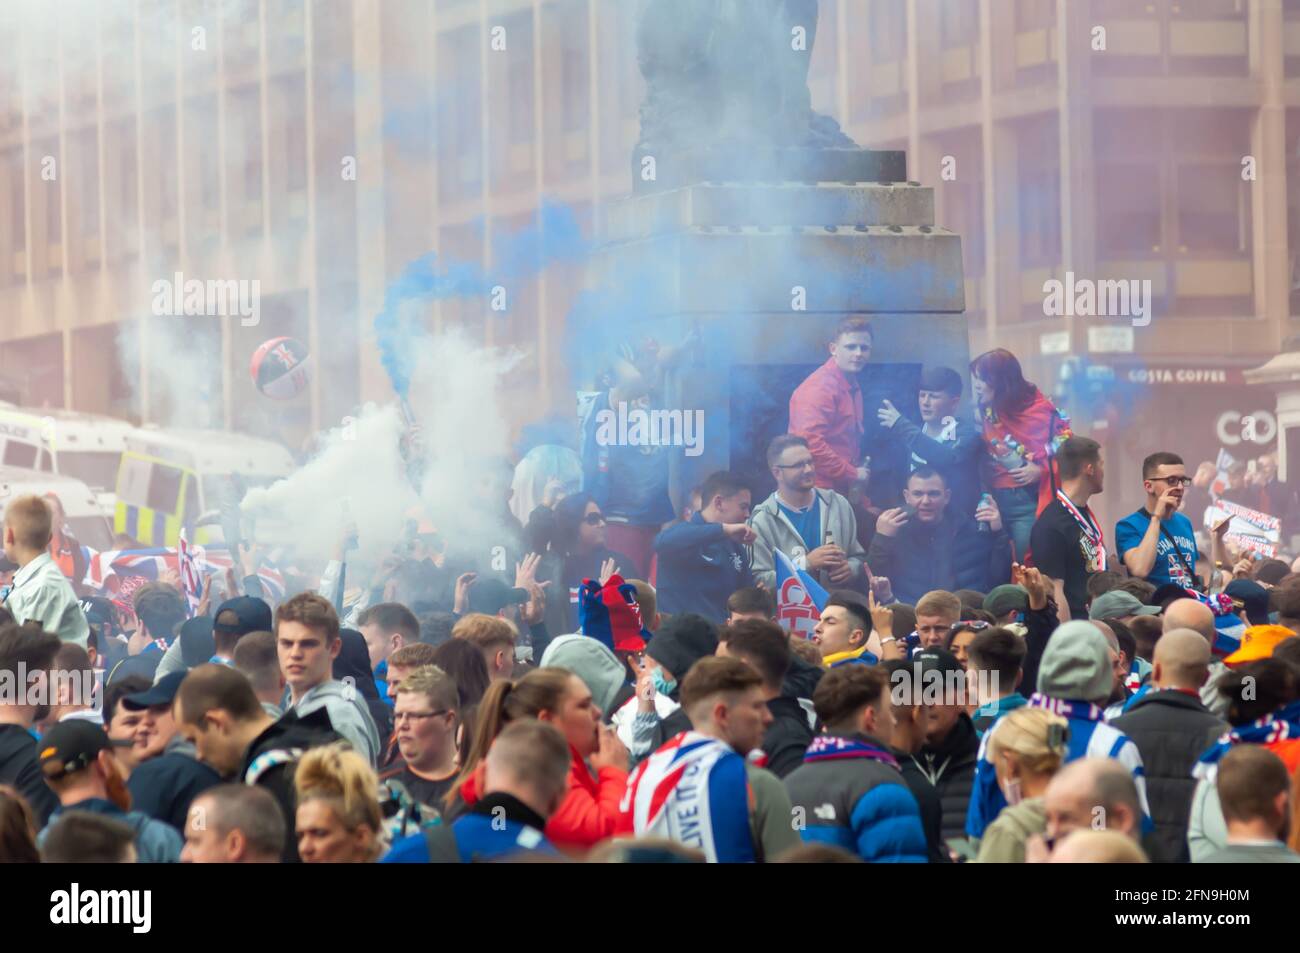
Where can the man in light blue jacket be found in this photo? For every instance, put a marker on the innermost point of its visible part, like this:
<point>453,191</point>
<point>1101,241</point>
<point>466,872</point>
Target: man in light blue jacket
<point>307,641</point>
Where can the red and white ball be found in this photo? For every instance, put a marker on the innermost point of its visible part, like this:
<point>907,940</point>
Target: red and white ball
<point>280,368</point>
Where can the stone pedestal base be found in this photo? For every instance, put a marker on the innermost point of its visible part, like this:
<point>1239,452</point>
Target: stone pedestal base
<point>763,273</point>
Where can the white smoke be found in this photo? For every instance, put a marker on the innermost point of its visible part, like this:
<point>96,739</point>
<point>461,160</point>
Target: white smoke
<point>456,400</point>
<point>358,473</point>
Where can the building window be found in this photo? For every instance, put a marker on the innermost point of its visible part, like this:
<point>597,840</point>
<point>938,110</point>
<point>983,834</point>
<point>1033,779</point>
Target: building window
<point>959,23</point>
<point>459,108</point>
<point>244,125</point>
<point>1128,209</point>
<point>887,82</point>
<point>1213,208</point>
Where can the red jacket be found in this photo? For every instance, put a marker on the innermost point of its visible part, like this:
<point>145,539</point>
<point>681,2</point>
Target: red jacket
<point>826,410</point>
<point>587,815</point>
<point>1034,427</point>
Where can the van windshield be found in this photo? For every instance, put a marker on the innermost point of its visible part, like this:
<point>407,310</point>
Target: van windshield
<point>95,468</point>
<point>19,455</point>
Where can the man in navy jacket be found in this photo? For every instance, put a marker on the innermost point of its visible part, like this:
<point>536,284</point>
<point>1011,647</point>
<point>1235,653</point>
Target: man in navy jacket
<point>703,561</point>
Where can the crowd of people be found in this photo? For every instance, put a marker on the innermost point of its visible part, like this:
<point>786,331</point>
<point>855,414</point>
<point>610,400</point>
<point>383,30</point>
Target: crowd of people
<point>986,677</point>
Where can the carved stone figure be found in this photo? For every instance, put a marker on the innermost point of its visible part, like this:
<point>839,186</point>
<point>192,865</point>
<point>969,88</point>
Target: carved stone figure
<point>730,73</point>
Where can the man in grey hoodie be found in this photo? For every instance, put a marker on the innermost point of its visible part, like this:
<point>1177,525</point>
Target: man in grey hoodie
<point>815,527</point>
<point>307,641</point>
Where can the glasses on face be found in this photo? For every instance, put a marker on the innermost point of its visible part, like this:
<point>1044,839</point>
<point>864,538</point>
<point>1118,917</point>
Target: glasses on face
<point>401,716</point>
<point>801,465</point>
<point>1183,481</point>
<point>594,519</point>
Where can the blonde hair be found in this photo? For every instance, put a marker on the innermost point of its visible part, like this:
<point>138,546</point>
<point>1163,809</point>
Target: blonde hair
<point>485,631</point>
<point>939,602</point>
<point>345,781</point>
<point>1035,736</point>
<point>31,520</point>
<point>438,688</point>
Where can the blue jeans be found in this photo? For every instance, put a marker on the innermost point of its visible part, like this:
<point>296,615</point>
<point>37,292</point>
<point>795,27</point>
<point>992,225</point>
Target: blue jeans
<point>1019,508</point>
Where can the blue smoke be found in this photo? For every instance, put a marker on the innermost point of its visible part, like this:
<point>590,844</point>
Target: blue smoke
<point>554,237</point>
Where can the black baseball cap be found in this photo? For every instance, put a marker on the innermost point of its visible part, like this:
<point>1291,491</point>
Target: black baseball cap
<point>71,746</point>
<point>99,611</point>
<point>936,660</point>
<point>1252,596</point>
<point>163,692</point>
<point>242,615</point>
<point>1167,593</point>
<point>490,596</point>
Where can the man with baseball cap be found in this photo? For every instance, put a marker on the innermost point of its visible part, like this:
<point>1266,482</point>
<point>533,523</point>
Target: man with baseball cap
<point>1249,600</point>
<point>1006,602</point>
<point>168,776</point>
<point>937,681</point>
<point>1118,604</point>
<point>77,762</point>
<point>235,619</point>
<point>203,639</point>
<point>489,595</point>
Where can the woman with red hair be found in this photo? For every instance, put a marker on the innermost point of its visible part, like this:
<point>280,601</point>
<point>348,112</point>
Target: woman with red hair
<point>1022,431</point>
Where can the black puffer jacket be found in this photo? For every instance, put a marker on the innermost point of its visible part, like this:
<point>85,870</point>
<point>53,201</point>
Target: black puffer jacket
<point>1171,729</point>
<point>787,737</point>
<point>951,554</point>
<point>272,757</point>
<point>949,766</point>
<point>927,799</point>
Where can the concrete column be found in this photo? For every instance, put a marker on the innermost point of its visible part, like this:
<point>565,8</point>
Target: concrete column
<point>1268,191</point>
<point>923,74</point>
<point>1075,117</point>
<point>371,249</point>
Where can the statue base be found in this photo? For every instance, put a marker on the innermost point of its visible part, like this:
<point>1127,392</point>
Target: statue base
<point>656,171</point>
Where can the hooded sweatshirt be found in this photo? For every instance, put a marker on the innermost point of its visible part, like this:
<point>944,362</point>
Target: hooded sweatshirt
<point>593,662</point>
<point>353,662</point>
<point>1074,680</point>
<point>775,531</point>
<point>348,713</point>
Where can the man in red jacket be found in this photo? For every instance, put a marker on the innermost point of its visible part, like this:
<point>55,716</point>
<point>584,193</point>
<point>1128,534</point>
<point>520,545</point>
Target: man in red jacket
<point>826,409</point>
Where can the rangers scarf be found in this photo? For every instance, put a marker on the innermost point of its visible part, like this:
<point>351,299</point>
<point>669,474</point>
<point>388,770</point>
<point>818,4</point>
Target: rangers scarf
<point>1093,542</point>
<point>1277,726</point>
<point>693,791</point>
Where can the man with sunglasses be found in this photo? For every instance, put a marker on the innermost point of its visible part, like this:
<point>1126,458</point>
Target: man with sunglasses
<point>425,717</point>
<point>1158,543</point>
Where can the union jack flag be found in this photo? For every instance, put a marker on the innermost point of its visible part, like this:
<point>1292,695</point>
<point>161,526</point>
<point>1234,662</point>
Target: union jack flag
<point>106,569</point>
<point>190,581</point>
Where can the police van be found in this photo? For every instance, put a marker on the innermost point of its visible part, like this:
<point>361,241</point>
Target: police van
<point>85,520</point>
<point>177,478</point>
<point>87,447</point>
